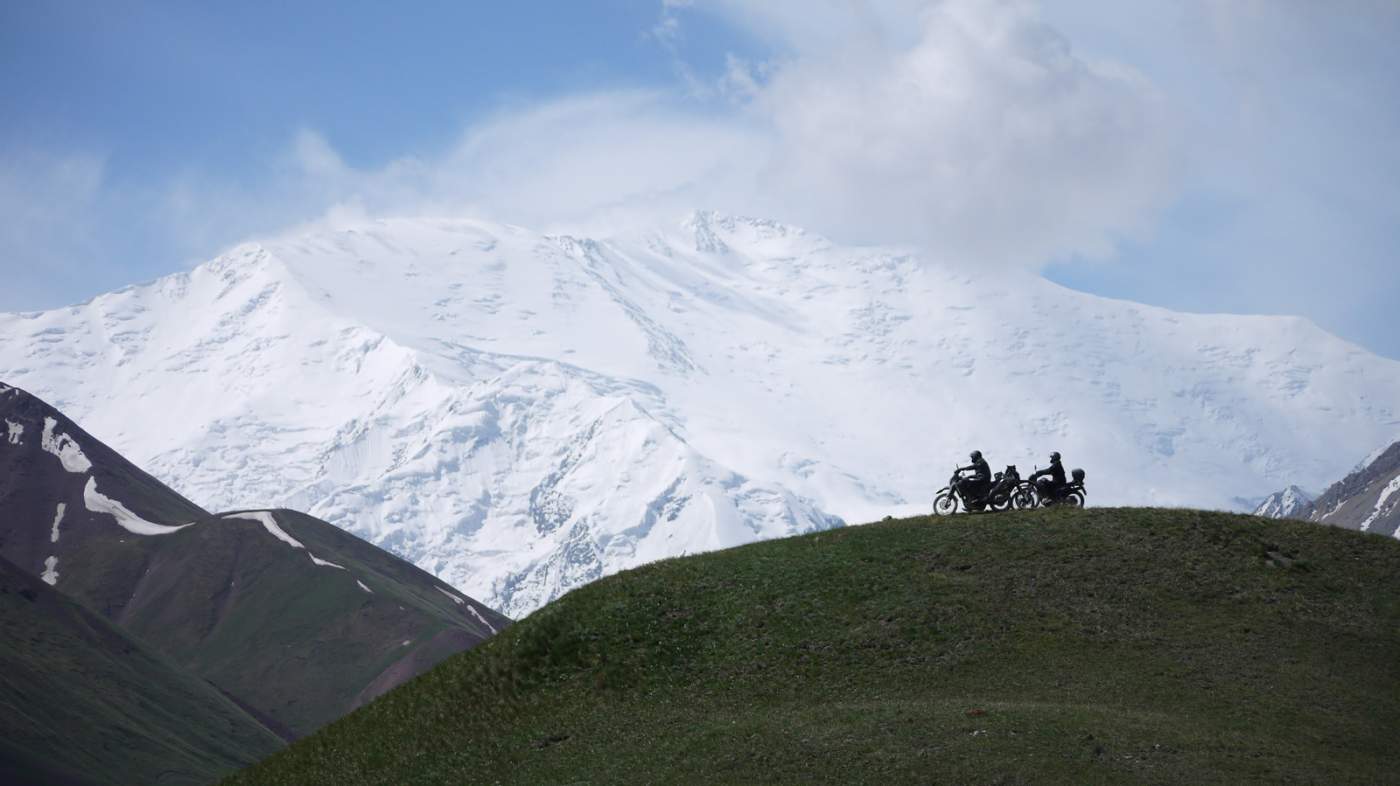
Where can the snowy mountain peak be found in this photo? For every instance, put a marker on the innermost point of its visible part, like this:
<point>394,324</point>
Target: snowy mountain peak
<point>1291,503</point>
<point>1368,498</point>
<point>520,412</point>
<point>755,236</point>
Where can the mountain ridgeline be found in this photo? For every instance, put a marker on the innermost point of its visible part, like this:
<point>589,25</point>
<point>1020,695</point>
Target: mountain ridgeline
<point>1367,499</point>
<point>520,413</point>
<point>288,619</point>
<point>1144,646</point>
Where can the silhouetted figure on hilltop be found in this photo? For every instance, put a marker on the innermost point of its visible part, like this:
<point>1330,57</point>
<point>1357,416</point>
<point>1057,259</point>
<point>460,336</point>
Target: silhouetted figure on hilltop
<point>1051,480</point>
<point>974,487</point>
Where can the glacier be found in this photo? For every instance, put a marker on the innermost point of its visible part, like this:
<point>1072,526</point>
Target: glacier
<point>521,412</point>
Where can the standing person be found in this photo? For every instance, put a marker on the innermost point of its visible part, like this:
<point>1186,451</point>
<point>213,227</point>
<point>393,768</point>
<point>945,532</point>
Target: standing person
<point>1051,480</point>
<point>974,486</point>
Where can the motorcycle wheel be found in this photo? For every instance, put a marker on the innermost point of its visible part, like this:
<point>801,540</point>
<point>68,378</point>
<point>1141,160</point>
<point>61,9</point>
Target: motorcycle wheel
<point>945,504</point>
<point>1024,498</point>
<point>999,502</point>
<point>1074,499</point>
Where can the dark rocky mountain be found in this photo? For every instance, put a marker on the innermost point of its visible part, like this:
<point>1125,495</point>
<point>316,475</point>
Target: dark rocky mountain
<point>296,620</point>
<point>82,702</point>
<point>1368,499</point>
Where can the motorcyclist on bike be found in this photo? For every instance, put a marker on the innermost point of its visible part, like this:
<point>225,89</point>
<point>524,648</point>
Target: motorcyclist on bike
<point>1051,480</point>
<point>973,487</point>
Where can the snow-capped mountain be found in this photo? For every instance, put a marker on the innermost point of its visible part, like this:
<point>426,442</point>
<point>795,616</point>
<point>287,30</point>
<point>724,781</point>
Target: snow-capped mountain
<point>520,412</point>
<point>292,617</point>
<point>1291,503</point>
<point>1368,498</point>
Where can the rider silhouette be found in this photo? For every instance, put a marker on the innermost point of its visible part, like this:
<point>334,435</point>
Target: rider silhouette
<point>1051,480</point>
<point>974,486</point>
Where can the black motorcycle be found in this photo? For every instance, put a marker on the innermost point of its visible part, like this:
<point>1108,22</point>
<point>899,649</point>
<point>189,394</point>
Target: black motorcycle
<point>950,498</point>
<point>1070,495</point>
<point>1008,491</point>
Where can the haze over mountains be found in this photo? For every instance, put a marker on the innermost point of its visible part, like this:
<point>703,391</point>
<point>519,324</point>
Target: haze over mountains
<point>520,413</point>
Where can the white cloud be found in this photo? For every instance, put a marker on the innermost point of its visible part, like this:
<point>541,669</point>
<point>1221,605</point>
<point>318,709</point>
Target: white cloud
<point>975,130</point>
<point>972,127</point>
<point>567,159</point>
<point>985,137</point>
<point>968,126</point>
<point>1289,112</point>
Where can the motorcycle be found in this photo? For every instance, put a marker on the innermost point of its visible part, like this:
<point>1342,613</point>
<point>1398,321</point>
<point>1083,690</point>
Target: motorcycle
<point>1070,495</point>
<point>950,498</point>
<point>1007,491</point>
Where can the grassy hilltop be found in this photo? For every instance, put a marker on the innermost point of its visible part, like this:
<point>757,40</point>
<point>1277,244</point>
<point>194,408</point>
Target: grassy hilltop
<point>1098,646</point>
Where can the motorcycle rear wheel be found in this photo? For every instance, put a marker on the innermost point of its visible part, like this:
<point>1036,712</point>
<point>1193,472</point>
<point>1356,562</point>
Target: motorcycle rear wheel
<point>945,504</point>
<point>1074,499</point>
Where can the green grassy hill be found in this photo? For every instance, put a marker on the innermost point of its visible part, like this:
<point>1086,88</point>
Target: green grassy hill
<point>82,703</point>
<point>1102,646</point>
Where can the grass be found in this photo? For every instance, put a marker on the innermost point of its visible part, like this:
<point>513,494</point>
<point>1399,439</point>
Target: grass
<point>1100,646</point>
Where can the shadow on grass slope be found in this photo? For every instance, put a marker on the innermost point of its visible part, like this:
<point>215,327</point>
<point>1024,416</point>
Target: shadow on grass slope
<point>1111,645</point>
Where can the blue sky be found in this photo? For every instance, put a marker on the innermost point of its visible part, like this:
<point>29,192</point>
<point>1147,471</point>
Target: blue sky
<point>1204,155</point>
<point>162,86</point>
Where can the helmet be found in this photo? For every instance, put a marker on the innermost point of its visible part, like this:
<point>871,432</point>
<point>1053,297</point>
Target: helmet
<point>976,455</point>
<point>1078,475</point>
<point>1055,456</point>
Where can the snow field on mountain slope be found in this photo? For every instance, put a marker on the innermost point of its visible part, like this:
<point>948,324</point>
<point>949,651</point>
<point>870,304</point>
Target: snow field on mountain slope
<point>469,470</point>
<point>520,413</point>
<point>535,481</point>
<point>751,349</point>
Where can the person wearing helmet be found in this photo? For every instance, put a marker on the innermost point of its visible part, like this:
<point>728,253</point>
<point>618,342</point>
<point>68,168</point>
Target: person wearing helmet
<point>974,486</point>
<point>1051,480</point>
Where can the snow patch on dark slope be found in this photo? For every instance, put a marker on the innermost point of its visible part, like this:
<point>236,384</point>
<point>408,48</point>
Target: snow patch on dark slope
<point>519,413</point>
<point>1367,499</point>
<point>269,523</point>
<point>273,607</point>
<point>61,445</point>
<point>98,502</point>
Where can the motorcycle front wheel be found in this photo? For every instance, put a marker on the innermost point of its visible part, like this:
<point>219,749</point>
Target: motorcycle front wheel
<point>1024,498</point>
<point>945,503</point>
